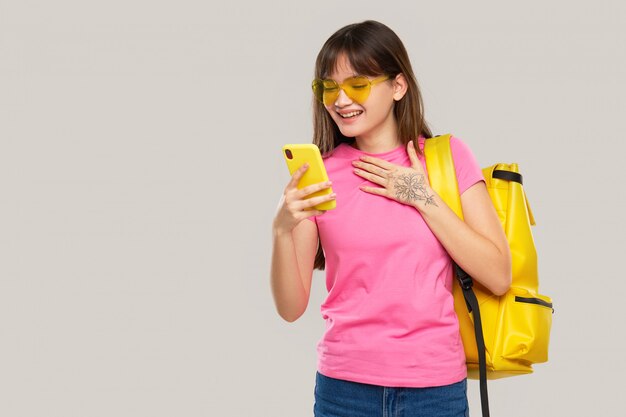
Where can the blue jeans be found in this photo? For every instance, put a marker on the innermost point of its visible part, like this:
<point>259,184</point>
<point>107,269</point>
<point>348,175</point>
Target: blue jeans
<point>339,398</point>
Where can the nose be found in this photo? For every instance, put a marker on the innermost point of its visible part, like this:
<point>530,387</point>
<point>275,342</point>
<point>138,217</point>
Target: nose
<point>342,99</point>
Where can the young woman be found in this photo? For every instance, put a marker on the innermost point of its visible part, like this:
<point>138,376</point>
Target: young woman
<point>392,344</point>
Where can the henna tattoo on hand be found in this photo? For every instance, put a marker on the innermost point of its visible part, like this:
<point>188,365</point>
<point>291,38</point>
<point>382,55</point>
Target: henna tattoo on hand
<point>411,187</point>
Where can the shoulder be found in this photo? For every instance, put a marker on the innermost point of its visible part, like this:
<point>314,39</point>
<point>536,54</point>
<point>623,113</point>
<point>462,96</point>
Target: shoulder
<point>459,149</point>
<point>459,146</point>
<point>468,170</point>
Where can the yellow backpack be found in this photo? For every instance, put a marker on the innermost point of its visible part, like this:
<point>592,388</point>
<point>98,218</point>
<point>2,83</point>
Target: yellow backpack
<point>515,326</point>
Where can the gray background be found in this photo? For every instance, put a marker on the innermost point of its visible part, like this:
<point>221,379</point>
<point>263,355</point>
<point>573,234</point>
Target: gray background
<point>140,169</point>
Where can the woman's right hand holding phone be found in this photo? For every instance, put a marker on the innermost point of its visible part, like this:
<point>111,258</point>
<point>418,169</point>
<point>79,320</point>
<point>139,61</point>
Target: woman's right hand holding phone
<point>295,207</point>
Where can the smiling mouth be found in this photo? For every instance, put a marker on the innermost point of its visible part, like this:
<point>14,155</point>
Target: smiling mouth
<point>351,114</point>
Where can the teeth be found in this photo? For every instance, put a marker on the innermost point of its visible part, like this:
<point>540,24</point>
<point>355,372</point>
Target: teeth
<point>351,114</point>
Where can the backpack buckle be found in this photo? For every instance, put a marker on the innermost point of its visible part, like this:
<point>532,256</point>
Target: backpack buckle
<point>464,279</point>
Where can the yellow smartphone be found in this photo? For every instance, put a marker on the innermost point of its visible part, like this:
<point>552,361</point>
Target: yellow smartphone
<point>296,155</point>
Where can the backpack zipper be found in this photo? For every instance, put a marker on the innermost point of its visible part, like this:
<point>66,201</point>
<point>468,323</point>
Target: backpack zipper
<point>533,300</point>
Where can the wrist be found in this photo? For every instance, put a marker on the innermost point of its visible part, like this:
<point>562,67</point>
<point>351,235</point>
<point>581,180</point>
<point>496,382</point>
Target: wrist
<point>426,199</point>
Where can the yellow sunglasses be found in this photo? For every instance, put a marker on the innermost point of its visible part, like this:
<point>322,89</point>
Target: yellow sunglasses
<point>357,88</point>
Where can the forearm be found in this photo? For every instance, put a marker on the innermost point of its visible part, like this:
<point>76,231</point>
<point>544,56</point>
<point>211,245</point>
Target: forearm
<point>473,252</point>
<point>289,293</point>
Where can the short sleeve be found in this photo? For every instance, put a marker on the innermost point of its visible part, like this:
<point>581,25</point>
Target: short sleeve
<point>468,172</point>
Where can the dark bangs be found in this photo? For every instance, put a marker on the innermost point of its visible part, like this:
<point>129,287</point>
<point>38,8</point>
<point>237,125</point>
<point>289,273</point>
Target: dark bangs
<point>366,49</point>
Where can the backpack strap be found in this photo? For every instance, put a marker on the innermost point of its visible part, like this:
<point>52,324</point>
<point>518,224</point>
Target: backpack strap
<point>442,178</point>
<point>441,173</point>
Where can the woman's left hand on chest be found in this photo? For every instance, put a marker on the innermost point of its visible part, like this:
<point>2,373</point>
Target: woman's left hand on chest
<point>406,185</point>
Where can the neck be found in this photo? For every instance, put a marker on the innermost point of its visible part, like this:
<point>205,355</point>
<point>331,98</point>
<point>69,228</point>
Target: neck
<point>383,139</point>
<point>380,147</point>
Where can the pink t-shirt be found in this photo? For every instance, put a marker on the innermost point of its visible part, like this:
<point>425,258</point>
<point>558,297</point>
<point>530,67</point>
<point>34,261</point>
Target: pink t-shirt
<point>389,312</point>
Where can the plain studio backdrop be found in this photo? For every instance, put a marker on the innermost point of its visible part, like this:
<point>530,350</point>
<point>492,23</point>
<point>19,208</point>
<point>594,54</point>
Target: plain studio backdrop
<point>140,170</point>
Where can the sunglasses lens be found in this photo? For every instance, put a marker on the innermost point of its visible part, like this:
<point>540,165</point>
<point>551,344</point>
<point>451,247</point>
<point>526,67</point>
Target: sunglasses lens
<point>331,91</point>
<point>357,88</point>
<point>318,89</point>
<point>327,91</point>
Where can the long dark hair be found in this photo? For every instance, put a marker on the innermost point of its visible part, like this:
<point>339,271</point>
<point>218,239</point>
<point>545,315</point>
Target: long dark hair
<point>372,49</point>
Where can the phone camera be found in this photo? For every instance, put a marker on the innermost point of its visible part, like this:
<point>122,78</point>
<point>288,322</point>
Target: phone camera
<point>288,153</point>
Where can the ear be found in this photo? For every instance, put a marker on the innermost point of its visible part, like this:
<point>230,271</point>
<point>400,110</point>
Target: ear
<point>400,87</point>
